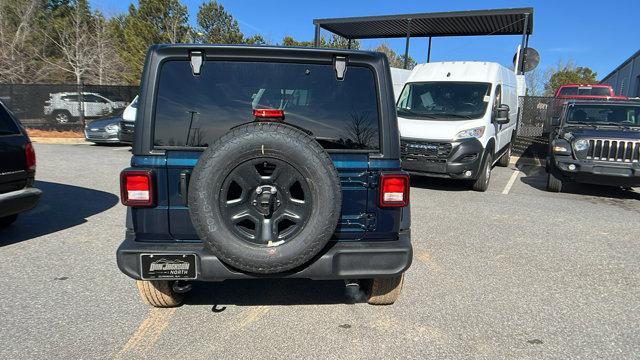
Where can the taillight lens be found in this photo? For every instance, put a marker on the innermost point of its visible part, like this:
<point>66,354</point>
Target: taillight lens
<point>30,155</point>
<point>137,188</point>
<point>275,114</point>
<point>394,190</point>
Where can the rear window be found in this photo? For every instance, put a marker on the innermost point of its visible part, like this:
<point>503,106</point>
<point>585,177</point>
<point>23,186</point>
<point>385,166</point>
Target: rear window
<point>586,91</point>
<point>569,91</point>
<point>7,125</point>
<point>596,91</point>
<point>197,110</point>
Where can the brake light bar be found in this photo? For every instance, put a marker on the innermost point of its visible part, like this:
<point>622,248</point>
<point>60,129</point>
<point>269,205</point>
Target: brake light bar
<point>394,190</point>
<point>30,155</point>
<point>137,188</point>
<point>268,114</point>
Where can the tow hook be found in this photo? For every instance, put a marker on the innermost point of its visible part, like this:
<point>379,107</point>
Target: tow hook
<point>181,287</point>
<point>352,290</point>
<point>352,286</point>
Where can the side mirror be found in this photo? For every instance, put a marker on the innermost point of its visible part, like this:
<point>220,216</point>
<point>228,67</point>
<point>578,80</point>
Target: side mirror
<point>502,114</point>
<point>555,121</point>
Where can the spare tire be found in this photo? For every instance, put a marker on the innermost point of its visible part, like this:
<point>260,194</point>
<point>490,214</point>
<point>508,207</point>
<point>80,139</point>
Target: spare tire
<point>265,198</point>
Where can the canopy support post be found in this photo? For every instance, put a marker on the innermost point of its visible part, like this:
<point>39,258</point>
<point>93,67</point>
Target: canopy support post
<point>429,51</point>
<point>525,42</point>
<point>406,48</point>
<point>349,44</point>
<point>316,40</point>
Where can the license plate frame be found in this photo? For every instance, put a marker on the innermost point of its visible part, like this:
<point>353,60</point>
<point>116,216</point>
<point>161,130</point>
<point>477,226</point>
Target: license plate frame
<point>168,266</point>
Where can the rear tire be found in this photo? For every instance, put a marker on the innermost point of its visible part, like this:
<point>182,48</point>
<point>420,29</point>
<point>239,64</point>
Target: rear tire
<point>7,220</point>
<point>61,117</point>
<point>158,293</point>
<point>553,183</point>
<point>482,183</point>
<point>505,159</point>
<point>385,291</point>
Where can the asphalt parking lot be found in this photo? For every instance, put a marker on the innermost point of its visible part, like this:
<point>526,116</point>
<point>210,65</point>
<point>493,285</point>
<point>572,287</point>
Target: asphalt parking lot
<point>515,272</point>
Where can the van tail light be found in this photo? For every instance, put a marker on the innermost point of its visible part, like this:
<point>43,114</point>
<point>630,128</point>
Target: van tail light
<point>275,114</point>
<point>30,156</point>
<point>137,188</point>
<point>394,190</point>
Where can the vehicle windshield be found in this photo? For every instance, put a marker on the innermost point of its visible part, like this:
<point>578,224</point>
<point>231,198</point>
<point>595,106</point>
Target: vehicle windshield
<point>446,100</point>
<point>604,114</point>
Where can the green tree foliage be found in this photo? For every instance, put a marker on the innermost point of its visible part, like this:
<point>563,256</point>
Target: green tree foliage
<point>569,74</point>
<point>152,22</point>
<point>217,26</point>
<point>395,60</point>
<point>290,41</point>
<point>336,42</point>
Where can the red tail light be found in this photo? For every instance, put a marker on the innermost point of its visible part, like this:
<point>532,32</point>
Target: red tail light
<point>269,113</point>
<point>137,188</point>
<point>394,190</point>
<point>30,155</point>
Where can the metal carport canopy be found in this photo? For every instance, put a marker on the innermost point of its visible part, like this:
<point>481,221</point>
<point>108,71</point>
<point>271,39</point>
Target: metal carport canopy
<point>456,23</point>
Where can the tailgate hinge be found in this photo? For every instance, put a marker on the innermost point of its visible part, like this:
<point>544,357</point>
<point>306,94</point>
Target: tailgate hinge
<point>372,180</point>
<point>340,65</point>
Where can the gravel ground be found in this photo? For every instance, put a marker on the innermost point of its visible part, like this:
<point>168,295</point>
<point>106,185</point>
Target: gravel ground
<point>515,272</point>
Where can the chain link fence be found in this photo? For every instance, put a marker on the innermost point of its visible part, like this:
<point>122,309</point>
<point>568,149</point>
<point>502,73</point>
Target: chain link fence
<point>534,119</point>
<point>64,106</point>
<point>68,106</point>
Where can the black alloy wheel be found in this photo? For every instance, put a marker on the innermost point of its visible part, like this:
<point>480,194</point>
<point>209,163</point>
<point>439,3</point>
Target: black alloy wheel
<point>265,201</point>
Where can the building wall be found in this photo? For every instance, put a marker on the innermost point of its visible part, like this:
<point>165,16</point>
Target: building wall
<point>625,80</point>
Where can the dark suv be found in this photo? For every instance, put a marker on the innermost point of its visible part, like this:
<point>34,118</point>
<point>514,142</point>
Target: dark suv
<point>254,162</point>
<point>17,169</point>
<point>595,142</point>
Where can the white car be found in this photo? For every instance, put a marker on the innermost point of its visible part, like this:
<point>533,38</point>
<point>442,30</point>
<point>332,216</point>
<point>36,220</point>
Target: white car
<point>129,113</point>
<point>457,119</point>
<point>65,107</point>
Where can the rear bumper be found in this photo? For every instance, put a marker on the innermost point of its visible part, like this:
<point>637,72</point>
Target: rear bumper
<point>599,173</point>
<point>465,156</point>
<point>19,201</point>
<point>340,260</point>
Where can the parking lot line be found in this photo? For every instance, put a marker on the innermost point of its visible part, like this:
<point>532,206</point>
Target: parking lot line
<point>512,180</point>
<point>143,339</point>
<point>122,148</point>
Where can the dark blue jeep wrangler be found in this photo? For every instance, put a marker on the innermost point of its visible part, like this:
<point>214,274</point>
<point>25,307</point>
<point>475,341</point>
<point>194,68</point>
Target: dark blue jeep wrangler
<point>253,162</point>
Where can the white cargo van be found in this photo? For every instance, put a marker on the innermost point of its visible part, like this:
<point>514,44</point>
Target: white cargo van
<point>398,78</point>
<point>457,119</point>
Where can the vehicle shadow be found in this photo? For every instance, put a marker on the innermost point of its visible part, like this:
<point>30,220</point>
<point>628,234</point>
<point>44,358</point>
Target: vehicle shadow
<point>57,210</point>
<point>425,182</point>
<point>536,177</point>
<point>272,292</point>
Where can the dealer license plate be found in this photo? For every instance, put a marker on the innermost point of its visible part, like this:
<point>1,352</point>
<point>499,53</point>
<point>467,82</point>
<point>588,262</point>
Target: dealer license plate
<point>168,266</point>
